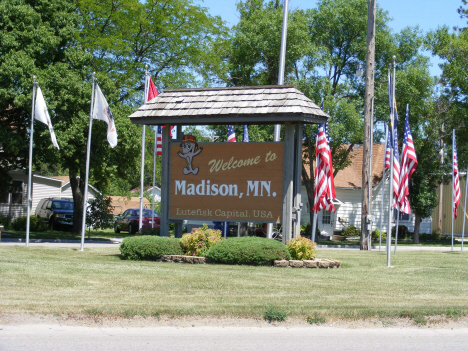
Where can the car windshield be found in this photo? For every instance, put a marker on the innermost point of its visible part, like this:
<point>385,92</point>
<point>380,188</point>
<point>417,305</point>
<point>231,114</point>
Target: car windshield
<point>148,213</point>
<point>62,205</point>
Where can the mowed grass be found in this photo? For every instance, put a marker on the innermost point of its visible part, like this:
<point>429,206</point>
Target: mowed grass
<point>66,281</point>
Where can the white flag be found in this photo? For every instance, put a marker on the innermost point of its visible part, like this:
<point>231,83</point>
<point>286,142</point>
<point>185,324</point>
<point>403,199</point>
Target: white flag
<point>42,115</point>
<point>102,111</point>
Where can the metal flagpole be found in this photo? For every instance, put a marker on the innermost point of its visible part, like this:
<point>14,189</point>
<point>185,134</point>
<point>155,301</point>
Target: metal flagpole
<point>464,210</point>
<point>390,186</point>
<point>396,231</point>
<point>28,213</point>
<point>142,171</point>
<point>314,227</point>
<point>88,151</point>
<point>277,127</point>
<point>383,188</point>
<point>453,179</point>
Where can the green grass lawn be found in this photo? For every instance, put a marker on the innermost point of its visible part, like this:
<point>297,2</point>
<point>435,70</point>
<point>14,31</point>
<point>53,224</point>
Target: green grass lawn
<point>39,279</point>
<point>102,235</point>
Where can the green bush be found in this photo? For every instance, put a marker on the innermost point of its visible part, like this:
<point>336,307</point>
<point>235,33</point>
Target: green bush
<point>403,232</point>
<point>351,231</point>
<point>35,224</point>
<point>200,240</point>
<point>248,250</point>
<point>5,221</point>
<point>150,248</point>
<point>306,229</point>
<point>301,248</point>
<point>151,231</point>
<point>376,235</point>
<point>274,314</point>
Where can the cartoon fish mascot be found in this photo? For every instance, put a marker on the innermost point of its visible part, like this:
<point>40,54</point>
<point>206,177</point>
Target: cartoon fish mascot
<point>190,149</point>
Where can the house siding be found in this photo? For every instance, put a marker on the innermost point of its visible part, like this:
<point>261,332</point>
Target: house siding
<point>350,210</point>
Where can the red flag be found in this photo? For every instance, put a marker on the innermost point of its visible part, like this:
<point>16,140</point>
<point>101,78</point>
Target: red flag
<point>152,91</point>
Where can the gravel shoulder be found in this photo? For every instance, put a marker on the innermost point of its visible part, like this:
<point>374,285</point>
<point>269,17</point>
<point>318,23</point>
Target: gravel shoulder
<point>99,321</point>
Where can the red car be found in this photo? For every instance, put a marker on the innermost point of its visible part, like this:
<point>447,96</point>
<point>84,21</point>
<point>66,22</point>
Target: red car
<point>130,219</point>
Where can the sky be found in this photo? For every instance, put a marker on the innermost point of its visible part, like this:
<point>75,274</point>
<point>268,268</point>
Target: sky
<point>427,14</point>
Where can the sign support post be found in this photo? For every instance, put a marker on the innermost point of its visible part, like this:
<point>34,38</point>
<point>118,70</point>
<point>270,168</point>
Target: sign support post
<point>164,221</point>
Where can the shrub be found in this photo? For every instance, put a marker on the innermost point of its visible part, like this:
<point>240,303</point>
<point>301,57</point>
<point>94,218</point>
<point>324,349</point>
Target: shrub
<point>5,221</point>
<point>151,231</point>
<point>351,230</point>
<point>248,250</point>
<point>376,235</point>
<point>150,248</point>
<point>435,235</point>
<point>200,240</point>
<point>306,229</point>
<point>403,232</point>
<point>35,224</point>
<point>301,248</point>
<point>274,314</point>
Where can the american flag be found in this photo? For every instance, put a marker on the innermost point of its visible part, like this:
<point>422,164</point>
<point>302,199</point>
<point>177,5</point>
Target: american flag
<point>246,134</point>
<point>394,139</point>
<point>158,140</point>
<point>388,150</point>
<point>456,182</point>
<point>331,180</point>
<point>323,172</point>
<point>231,135</point>
<point>409,163</point>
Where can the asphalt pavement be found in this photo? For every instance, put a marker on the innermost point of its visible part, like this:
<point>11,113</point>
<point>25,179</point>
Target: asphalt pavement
<point>77,338</point>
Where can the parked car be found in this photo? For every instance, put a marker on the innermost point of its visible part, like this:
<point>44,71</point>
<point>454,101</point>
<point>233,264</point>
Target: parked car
<point>130,219</point>
<point>56,213</point>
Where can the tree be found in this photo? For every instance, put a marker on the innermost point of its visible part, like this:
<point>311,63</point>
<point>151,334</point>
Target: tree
<point>99,212</point>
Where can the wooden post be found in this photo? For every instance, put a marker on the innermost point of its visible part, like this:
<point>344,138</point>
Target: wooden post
<point>288,182</point>
<point>164,225</point>
<point>297,180</point>
<point>366,176</point>
<point>178,223</point>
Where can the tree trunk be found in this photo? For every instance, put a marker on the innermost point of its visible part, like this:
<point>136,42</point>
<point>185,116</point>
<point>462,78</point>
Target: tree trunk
<point>77,187</point>
<point>417,224</point>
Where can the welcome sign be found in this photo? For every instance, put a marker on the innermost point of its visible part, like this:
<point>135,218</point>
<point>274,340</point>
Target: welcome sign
<point>226,181</point>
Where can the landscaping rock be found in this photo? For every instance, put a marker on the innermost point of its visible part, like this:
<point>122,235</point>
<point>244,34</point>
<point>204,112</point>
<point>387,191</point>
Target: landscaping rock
<point>310,264</point>
<point>281,263</point>
<point>296,263</point>
<point>324,264</point>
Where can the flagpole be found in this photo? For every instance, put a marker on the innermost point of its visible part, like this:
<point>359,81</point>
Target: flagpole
<point>142,171</point>
<point>29,200</point>
<point>277,127</point>
<point>464,210</point>
<point>390,198</point>
<point>453,179</point>
<point>314,227</point>
<point>383,188</point>
<point>88,151</point>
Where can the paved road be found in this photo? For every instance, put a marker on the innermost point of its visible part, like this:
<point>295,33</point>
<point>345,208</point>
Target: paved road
<point>72,338</point>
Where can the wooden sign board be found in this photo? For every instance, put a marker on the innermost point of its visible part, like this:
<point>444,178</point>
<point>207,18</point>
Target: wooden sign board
<point>226,181</point>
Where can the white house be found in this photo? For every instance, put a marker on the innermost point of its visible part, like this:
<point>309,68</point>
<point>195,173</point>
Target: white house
<point>14,204</point>
<point>148,190</point>
<point>348,183</point>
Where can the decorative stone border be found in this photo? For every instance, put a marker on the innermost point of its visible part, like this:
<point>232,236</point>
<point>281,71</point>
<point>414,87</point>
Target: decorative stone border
<point>317,263</point>
<point>183,259</point>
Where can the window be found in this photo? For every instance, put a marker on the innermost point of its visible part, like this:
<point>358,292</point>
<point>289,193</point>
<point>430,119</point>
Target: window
<point>403,216</point>
<point>326,217</point>
<point>16,191</point>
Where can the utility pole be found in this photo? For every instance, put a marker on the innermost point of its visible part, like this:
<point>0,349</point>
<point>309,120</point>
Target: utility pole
<point>366,212</point>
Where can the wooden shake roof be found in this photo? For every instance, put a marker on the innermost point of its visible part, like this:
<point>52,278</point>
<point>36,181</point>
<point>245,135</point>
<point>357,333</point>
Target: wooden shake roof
<point>235,105</point>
